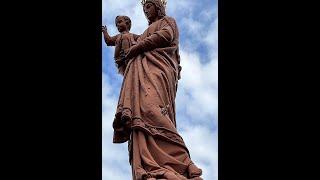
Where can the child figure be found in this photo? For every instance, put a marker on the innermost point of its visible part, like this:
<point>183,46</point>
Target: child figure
<point>122,41</point>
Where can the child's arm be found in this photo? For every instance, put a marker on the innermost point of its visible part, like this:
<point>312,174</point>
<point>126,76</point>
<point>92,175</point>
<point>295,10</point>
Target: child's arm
<point>110,41</point>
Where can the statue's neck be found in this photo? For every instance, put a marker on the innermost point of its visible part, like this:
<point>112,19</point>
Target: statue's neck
<point>124,32</point>
<point>156,19</point>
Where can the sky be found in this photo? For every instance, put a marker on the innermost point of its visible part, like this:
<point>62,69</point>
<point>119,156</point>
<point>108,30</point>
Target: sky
<point>197,95</point>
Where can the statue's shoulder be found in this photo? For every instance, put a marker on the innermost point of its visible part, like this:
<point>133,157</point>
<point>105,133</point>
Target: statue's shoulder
<point>172,22</point>
<point>170,19</point>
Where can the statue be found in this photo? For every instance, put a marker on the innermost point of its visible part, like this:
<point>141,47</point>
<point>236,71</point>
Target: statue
<point>122,41</point>
<point>145,115</point>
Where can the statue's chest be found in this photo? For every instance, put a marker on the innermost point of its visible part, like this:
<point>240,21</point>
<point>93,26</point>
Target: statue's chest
<point>150,30</point>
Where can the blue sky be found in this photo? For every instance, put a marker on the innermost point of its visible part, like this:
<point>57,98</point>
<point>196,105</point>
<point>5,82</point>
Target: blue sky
<point>197,95</point>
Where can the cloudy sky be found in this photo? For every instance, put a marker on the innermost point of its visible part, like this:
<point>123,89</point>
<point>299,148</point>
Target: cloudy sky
<point>197,96</point>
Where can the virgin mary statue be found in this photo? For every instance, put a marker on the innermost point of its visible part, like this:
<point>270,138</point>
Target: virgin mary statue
<point>146,113</point>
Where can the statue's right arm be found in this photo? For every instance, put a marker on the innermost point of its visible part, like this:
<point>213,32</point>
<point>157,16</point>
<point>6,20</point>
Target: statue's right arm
<point>110,41</point>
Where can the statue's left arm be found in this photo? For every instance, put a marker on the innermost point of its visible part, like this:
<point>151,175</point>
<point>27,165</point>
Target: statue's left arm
<point>135,37</point>
<point>159,39</point>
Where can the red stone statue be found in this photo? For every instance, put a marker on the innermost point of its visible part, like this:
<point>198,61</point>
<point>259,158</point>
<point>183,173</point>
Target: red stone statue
<point>146,113</point>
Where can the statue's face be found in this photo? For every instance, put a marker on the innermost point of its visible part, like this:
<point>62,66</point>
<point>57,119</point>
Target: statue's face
<point>121,24</point>
<point>150,11</point>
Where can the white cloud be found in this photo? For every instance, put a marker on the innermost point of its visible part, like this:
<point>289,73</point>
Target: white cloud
<point>193,26</point>
<point>212,36</point>
<point>197,91</point>
<point>202,144</point>
<point>180,8</point>
<point>132,9</point>
<point>113,172</point>
<point>112,154</point>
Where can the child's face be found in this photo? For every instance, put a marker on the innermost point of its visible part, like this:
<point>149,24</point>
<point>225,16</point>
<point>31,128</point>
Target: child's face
<point>121,24</point>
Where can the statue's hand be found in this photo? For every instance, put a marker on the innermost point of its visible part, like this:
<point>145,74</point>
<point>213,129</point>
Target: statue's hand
<point>104,29</point>
<point>132,52</point>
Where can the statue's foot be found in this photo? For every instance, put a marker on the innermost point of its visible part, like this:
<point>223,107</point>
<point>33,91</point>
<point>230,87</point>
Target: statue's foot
<point>194,171</point>
<point>197,178</point>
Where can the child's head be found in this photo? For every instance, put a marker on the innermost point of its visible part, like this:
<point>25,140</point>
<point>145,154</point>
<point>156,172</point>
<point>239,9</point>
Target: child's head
<point>123,23</point>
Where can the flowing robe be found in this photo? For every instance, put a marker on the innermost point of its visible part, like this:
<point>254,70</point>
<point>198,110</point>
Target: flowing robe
<point>145,115</point>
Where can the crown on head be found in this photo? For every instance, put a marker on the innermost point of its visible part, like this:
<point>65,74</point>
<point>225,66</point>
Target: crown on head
<point>164,2</point>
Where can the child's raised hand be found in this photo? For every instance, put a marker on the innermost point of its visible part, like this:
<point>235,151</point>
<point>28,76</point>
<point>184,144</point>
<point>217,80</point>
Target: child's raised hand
<point>104,29</point>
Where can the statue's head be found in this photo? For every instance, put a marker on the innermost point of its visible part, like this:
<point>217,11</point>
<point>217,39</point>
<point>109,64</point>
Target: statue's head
<point>123,23</point>
<point>154,9</point>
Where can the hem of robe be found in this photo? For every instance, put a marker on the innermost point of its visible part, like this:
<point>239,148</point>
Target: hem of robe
<point>122,133</point>
<point>151,161</point>
<point>125,133</point>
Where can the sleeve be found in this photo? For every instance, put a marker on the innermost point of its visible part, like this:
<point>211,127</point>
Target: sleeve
<point>159,39</point>
<point>111,41</point>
